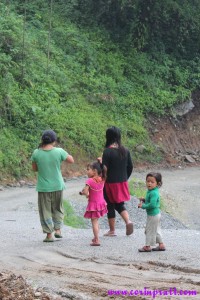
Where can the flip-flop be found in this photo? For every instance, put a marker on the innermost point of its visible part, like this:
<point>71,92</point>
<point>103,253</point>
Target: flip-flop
<point>95,244</point>
<point>158,249</point>
<point>58,236</point>
<point>144,250</point>
<point>48,240</point>
<point>109,234</point>
<point>129,228</point>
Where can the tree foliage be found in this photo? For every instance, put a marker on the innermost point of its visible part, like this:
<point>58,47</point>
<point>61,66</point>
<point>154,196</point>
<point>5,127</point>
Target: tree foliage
<point>170,26</point>
<point>80,66</point>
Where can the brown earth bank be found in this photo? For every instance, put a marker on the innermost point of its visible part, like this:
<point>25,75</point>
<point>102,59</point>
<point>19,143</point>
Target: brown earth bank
<point>178,135</point>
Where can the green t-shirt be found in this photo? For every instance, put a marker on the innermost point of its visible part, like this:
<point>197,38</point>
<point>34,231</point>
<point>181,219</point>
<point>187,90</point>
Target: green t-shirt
<point>49,177</point>
<point>152,202</point>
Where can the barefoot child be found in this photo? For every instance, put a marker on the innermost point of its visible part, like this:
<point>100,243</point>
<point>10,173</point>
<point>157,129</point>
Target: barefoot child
<point>93,190</point>
<point>152,205</point>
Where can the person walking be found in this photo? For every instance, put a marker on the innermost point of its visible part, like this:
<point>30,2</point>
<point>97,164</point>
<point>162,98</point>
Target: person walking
<point>118,162</point>
<point>152,205</point>
<point>93,190</point>
<point>46,161</point>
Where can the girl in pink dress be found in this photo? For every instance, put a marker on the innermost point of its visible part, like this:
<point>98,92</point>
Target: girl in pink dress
<point>93,190</point>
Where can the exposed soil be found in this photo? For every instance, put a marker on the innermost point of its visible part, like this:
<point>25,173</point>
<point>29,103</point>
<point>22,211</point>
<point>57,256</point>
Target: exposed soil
<point>178,137</point>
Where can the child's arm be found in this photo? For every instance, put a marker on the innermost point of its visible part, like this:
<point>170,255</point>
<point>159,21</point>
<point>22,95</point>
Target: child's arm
<point>85,191</point>
<point>99,159</point>
<point>153,201</point>
<point>34,167</point>
<point>142,199</point>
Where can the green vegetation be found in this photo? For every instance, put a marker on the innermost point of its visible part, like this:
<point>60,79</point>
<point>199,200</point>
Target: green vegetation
<point>80,66</point>
<point>71,219</point>
<point>137,187</point>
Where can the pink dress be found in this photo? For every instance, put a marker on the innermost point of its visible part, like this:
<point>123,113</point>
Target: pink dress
<point>97,206</point>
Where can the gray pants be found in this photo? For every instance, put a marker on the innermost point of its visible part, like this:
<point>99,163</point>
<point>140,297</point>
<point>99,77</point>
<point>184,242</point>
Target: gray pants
<point>50,205</point>
<point>153,230</point>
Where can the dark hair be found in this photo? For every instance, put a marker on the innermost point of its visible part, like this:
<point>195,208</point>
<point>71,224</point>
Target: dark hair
<point>157,176</point>
<point>101,169</point>
<point>48,137</point>
<point>113,135</point>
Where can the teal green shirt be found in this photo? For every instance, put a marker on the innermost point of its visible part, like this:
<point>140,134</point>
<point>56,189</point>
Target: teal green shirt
<point>152,202</point>
<point>49,177</point>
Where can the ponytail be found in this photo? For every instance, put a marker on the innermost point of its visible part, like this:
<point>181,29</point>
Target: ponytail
<point>101,169</point>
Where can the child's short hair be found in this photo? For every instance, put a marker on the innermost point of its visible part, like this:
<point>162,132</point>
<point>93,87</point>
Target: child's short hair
<point>157,176</point>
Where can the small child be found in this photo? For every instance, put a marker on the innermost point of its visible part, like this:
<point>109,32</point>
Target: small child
<point>93,190</point>
<point>152,205</point>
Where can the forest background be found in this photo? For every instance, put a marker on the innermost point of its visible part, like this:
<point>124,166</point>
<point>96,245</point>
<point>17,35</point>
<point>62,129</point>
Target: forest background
<point>79,66</point>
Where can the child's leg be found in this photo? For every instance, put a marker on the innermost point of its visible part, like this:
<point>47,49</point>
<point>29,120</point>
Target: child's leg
<point>57,210</point>
<point>111,218</point>
<point>159,239</point>
<point>44,207</point>
<point>95,228</point>
<point>147,247</point>
<point>120,208</point>
<point>150,231</point>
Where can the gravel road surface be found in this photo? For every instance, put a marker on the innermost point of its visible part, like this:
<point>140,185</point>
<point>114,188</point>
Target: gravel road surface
<point>71,269</point>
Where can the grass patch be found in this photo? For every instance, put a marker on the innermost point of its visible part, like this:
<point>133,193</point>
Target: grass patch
<point>138,189</point>
<point>71,219</point>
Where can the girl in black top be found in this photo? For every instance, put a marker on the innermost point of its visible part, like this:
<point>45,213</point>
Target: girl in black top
<point>119,165</point>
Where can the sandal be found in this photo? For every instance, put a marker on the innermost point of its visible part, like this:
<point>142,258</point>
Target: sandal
<point>110,233</point>
<point>144,249</point>
<point>95,244</point>
<point>129,228</point>
<point>158,249</point>
<point>58,236</point>
<point>48,240</point>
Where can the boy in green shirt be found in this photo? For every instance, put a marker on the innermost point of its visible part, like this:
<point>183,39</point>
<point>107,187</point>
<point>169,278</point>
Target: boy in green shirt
<point>152,205</point>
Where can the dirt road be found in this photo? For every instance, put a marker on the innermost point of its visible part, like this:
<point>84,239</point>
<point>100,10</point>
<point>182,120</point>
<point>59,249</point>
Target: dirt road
<point>71,269</point>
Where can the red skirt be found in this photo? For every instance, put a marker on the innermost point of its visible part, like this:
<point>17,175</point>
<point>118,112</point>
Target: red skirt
<point>117,192</point>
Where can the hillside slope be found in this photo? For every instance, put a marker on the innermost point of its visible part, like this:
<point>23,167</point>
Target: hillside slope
<point>58,71</point>
<point>179,137</point>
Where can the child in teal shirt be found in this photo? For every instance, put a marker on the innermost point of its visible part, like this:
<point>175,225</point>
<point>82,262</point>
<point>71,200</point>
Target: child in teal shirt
<point>152,205</point>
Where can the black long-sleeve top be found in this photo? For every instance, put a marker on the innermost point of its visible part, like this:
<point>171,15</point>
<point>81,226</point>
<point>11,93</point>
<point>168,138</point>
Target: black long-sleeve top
<point>118,169</point>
